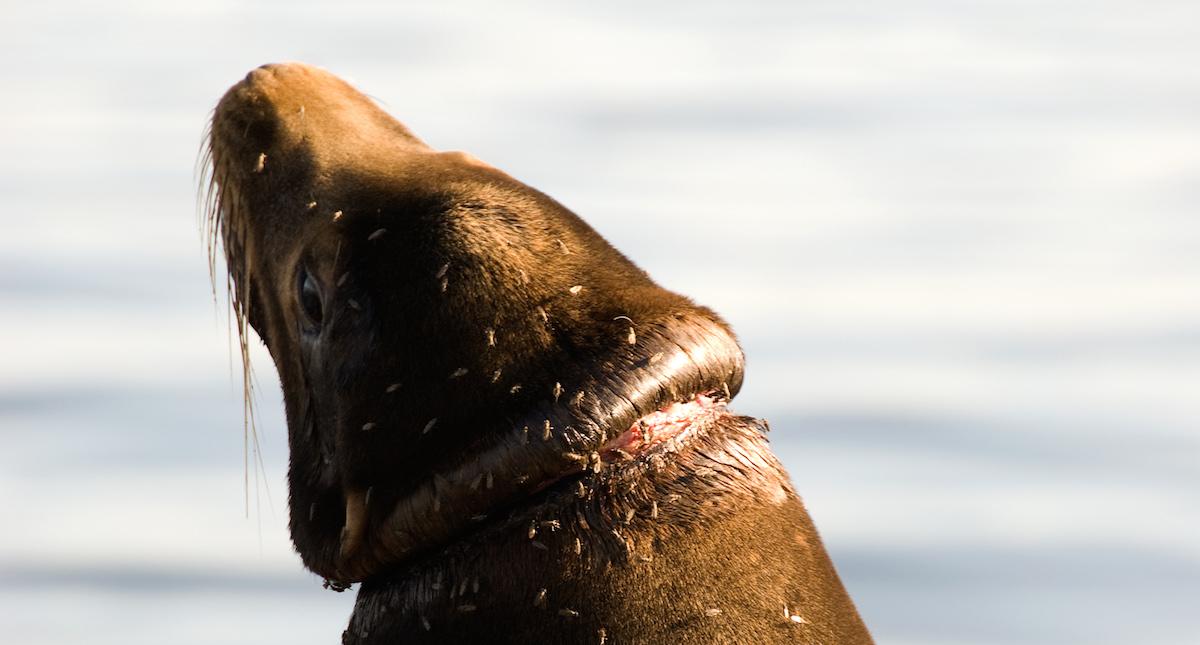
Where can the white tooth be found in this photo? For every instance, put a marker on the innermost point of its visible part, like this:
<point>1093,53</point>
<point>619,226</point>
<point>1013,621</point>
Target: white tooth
<point>356,522</point>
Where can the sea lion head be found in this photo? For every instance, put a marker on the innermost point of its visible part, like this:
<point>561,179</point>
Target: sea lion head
<point>449,340</point>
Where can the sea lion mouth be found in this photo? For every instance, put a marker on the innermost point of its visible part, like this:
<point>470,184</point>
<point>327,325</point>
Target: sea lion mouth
<point>656,386</point>
<point>449,341</point>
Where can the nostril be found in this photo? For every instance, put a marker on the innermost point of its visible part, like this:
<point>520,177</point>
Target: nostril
<point>254,75</point>
<point>260,73</point>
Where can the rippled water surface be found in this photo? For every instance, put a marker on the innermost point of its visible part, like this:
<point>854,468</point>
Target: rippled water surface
<point>959,243</point>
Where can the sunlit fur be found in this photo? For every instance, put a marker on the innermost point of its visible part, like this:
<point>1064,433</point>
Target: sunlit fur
<point>479,350</point>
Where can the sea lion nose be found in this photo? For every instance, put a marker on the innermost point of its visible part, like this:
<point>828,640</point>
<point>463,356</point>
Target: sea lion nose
<point>279,68</point>
<point>264,78</point>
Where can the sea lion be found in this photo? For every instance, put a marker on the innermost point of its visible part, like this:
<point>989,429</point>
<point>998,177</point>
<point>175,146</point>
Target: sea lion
<point>497,423</point>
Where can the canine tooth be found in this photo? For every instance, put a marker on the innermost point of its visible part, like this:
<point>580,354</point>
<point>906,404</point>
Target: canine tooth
<point>540,599</point>
<point>261,162</point>
<point>568,613</point>
<point>379,232</point>
<point>356,522</point>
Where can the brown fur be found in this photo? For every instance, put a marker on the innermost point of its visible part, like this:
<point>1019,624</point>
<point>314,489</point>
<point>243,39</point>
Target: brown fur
<point>477,345</point>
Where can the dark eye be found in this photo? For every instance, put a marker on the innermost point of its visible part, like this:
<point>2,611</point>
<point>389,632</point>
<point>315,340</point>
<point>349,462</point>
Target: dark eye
<point>310,298</point>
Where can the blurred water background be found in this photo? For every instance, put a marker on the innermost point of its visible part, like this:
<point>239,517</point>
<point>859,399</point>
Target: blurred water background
<point>959,242</point>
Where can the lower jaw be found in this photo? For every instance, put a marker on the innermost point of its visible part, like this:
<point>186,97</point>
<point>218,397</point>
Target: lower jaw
<point>651,437</point>
<point>693,367</point>
<point>661,432</point>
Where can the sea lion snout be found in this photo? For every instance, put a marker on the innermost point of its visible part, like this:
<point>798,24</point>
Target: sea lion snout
<point>298,110</point>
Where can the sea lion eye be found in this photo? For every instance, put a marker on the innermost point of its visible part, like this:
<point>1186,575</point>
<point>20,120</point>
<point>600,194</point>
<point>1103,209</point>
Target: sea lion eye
<point>310,298</point>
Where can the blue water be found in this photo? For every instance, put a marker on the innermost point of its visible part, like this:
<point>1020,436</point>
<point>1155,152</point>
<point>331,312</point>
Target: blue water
<point>958,242</point>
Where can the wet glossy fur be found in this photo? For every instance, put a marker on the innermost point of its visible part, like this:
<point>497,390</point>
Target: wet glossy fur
<point>447,417</point>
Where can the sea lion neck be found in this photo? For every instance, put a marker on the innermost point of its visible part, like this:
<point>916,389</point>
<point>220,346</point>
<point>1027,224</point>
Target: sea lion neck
<point>595,552</point>
<point>573,428</point>
<point>449,340</point>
